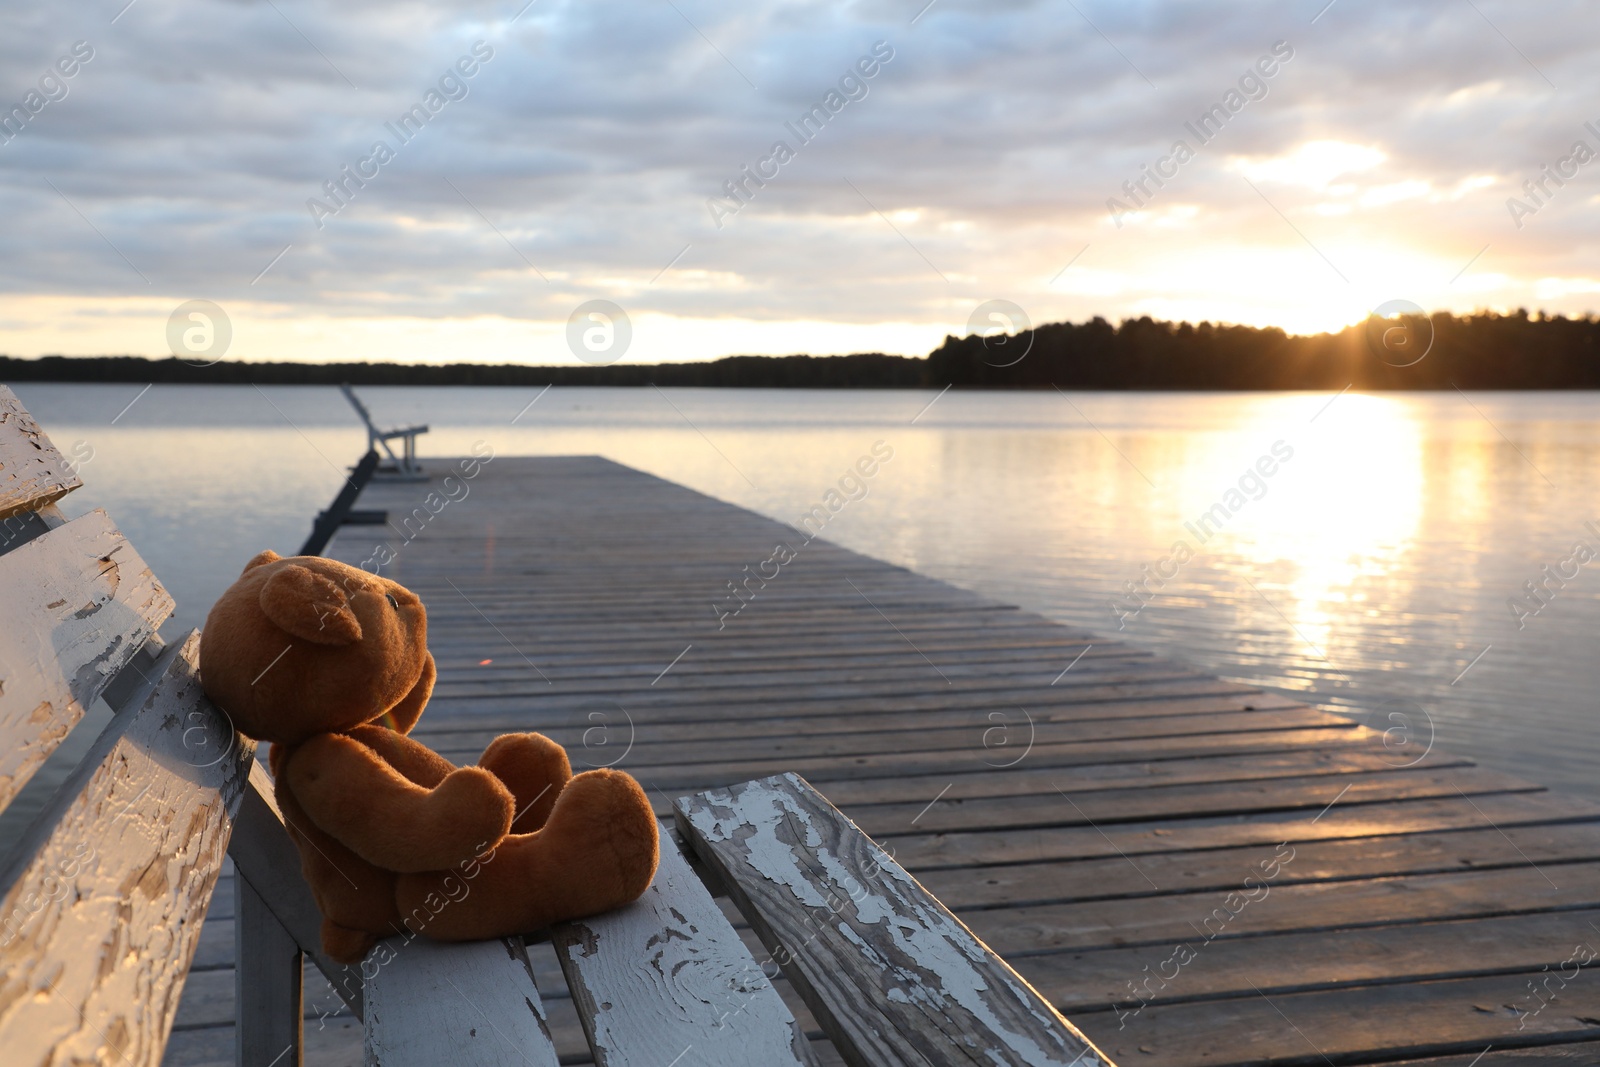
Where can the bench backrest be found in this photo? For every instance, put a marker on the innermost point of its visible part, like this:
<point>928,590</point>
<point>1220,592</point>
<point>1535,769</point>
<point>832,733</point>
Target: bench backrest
<point>102,898</point>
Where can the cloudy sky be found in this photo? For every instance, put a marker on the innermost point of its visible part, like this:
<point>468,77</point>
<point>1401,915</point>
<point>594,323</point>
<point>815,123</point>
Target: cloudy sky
<point>587,154</point>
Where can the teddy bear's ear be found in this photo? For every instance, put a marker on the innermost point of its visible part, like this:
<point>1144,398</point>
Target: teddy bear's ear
<point>309,606</point>
<point>261,559</point>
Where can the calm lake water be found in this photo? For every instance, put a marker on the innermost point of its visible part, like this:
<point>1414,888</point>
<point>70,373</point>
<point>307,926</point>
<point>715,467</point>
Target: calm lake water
<point>1369,572</point>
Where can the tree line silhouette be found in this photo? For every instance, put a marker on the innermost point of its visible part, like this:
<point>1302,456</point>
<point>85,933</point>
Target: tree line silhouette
<point>1438,351</point>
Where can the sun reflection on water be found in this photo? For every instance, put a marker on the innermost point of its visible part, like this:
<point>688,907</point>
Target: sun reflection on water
<point>1345,504</point>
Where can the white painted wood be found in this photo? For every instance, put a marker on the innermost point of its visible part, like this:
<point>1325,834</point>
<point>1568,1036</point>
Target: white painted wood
<point>103,901</point>
<point>893,977</point>
<point>79,603</point>
<point>32,472</point>
<point>461,1005</point>
<point>668,974</point>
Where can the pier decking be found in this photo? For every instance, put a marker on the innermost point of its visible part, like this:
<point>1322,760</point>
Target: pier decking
<point>1194,871</point>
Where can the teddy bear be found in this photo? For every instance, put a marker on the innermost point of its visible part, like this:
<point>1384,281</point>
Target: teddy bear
<point>330,664</point>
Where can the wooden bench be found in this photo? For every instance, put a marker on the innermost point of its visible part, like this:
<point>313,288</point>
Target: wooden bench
<point>104,895</point>
<point>403,467</point>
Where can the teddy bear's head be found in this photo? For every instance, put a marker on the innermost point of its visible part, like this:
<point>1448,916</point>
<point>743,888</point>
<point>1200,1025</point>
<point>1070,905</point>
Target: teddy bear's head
<point>306,645</point>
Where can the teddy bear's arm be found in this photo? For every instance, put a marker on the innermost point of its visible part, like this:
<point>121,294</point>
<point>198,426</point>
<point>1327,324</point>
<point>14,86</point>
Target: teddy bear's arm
<point>413,759</point>
<point>349,791</point>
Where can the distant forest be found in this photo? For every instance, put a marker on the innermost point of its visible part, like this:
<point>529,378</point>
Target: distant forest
<point>1481,351</point>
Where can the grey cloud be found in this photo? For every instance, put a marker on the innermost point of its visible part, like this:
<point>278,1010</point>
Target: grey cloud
<point>597,133</point>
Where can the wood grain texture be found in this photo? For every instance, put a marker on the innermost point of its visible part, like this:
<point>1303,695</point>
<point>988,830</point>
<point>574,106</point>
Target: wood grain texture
<point>1112,807</point>
<point>464,1005</point>
<point>103,902</point>
<point>1364,1023</point>
<point>1167,921</point>
<point>1576,1055</point>
<point>1108,978</point>
<point>32,472</point>
<point>971,848</point>
<point>1010,885</point>
<point>79,604</point>
<point>668,974</point>
<point>891,974</point>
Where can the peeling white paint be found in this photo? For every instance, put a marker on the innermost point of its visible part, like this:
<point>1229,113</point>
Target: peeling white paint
<point>930,959</point>
<point>55,659</point>
<point>103,914</point>
<point>437,1003</point>
<point>670,970</point>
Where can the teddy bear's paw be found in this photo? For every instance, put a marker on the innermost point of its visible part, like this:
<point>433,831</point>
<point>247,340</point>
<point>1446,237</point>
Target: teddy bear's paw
<point>535,769</point>
<point>344,944</point>
<point>606,822</point>
<point>470,806</point>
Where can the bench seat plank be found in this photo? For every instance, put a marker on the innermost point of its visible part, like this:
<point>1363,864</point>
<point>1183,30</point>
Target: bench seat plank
<point>462,1005</point>
<point>79,605</point>
<point>105,895</point>
<point>668,973</point>
<point>32,472</point>
<point>893,977</point>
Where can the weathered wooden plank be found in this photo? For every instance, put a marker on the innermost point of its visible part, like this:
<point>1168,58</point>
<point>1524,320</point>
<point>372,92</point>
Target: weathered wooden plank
<point>32,472</point>
<point>1014,884</point>
<point>1577,1055</point>
<point>1362,1024</point>
<point>104,898</point>
<point>668,974</point>
<point>1102,979</point>
<point>79,605</point>
<point>1167,920</point>
<point>467,1005</point>
<point>1023,779</point>
<point>893,977</point>
<point>1110,807</point>
<point>971,848</point>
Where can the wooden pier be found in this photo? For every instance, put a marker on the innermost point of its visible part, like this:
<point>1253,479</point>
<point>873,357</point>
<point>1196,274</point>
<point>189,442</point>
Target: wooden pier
<point>1194,871</point>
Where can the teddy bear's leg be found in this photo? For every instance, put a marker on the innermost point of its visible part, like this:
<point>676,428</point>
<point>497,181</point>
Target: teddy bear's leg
<point>344,944</point>
<point>598,851</point>
<point>535,769</point>
<point>350,793</point>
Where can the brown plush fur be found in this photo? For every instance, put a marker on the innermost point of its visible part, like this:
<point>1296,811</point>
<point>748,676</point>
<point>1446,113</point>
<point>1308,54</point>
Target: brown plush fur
<point>331,665</point>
